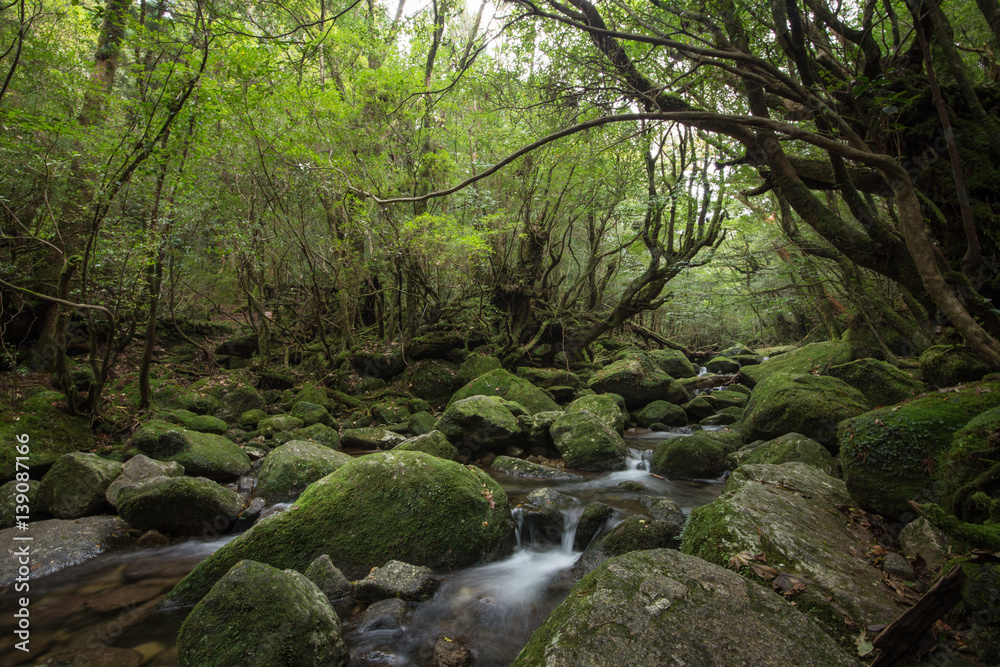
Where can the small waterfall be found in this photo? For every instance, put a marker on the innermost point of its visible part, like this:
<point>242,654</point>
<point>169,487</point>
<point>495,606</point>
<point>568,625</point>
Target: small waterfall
<point>638,459</point>
<point>702,371</point>
<point>571,519</point>
<point>534,537</point>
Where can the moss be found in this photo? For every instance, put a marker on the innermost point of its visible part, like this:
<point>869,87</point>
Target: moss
<point>587,443</point>
<point>476,365</point>
<point>289,469</point>
<point>248,420</point>
<point>806,359</point>
<point>698,456</point>
<point>638,380</point>
<point>880,382</point>
<point>637,533</point>
<point>948,365</point>
<point>201,454</point>
<point>505,385</point>
<point>974,535</point>
<point>311,413</point>
<point>407,506</point>
<point>793,447</point>
<point>194,422</point>
<point>180,505</point>
<point>660,412</point>
<point>603,406</point>
<point>52,433</point>
<point>889,456</point>
<point>433,443</point>
<point>673,362</point>
<point>479,422</point>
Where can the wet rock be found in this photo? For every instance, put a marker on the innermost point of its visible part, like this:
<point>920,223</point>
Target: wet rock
<point>587,443</point>
<point>180,506</point>
<point>287,470</point>
<point>135,470</point>
<point>638,380</point>
<point>808,404</point>
<point>249,515</point>
<point>271,617</point>
<point>793,447</point>
<point>665,509</point>
<point>405,505</point>
<point>508,386</point>
<point>60,543</point>
<point>880,383</point>
<point>673,362</point>
<point>369,438</point>
<point>522,468</point>
<point>948,365</point>
<point>603,406</point>
<point>701,455</point>
<point>921,539</point>
<point>592,521</point>
<point>790,513</point>
<point>543,512</point>
<point>660,412</point>
<point>152,538</point>
<point>75,485</point>
<point>395,579</point>
<point>433,443</point>
<point>480,422</point>
<point>662,607</point>
<point>200,454</point>
<point>722,365</point>
<point>330,580</point>
<point>450,653</point>
<point>9,501</point>
<point>388,614</point>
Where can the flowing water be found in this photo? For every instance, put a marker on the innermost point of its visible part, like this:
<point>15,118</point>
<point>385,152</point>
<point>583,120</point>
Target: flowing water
<point>110,602</point>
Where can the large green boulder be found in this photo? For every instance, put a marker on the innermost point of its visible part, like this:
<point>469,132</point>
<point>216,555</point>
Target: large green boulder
<point>237,400</point>
<point>812,405</point>
<point>480,422</point>
<point>889,455</point>
<point>180,505</point>
<point>948,365</point>
<point>880,383</point>
<point>287,470</point>
<point>662,607</point>
<point>194,422</point>
<point>660,412</point>
<point>137,469</point>
<point>75,485</point>
<point>673,362</point>
<point>506,385</point>
<point>433,443</point>
<point>814,357</point>
<point>50,432</point>
<point>973,452</point>
<point>639,381</point>
<point>201,454</point>
<point>727,398</point>
<point>260,616</point>
<point>603,406</point>
<point>793,447</point>
<point>407,506</point>
<point>318,433</point>
<point>175,397</point>
<point>722,365</point>
<point>791,513</point>
<point>394,410</point>
<point>311,413</point>
<point>701,455</point>
<point>475,365</point>
<point>587,443</point>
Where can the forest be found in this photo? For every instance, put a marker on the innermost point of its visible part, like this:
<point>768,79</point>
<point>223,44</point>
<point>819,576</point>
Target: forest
<point>238,236</point>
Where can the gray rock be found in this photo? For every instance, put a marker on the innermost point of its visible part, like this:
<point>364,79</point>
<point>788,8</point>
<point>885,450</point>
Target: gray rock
<point>920,538</point>
<point>287,470</point>
<point>180,506</point>
<point>595,516</point>
<point>9,501</point>
<point>371,438</point>
<point>789,512</point>
<point>898,566</point>
<point>75,485</point>
<point>412,583</point>
<point>522,468</point>
<point>59,543</point>
<point>135,470</point>
<point>330,580</point>
<point>389,614</point>
<point>662,607</point>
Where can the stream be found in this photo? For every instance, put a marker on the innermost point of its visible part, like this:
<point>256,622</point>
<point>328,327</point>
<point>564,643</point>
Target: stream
<point>109,603</point>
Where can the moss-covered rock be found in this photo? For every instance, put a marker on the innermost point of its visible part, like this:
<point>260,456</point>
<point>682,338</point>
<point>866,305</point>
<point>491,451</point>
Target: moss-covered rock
<point>979,597</point>
<point>236,623</point>
<point>724,417</point>
<point>311,413</point>
<point>14,496</point>
<point>506,385</point>
<point>790,514</point>
<point>194,422</point>
<point>662,607</point>
<point>549,377</point>
<point>480,422</point>
<point>287,470</point>
<point>521,468</point>
<point>175,397</point>
<point>889,455</point>
<point>968,466</point>
<point>391,411</point>
<point>135,470</point>
<point>370,438</point>
<point>310,392</point>
<point>673,362</point>
<point>475,365</point>
<point>434,443</point>
<point>180,506</point>
<point>237,400</point>
<point>812,405</point>
<point>587,443</point>
<point>722,365</point>
<point>432,380</point>
<point>421,423</point>
<point>330,580</point>
<point>639,381</point>
<point>793,447</point>
<point>603,406</point>
<point>51,432</point>
<point>75,485</point>
<point>698,407</point>
<point>727,398</point>
<point>948,365</point>
<point>201,454</point>
<point>701,455</point>
<point>806,359</point>
<point>412,583</point>
<point>277,424</point>
<point>248,420</point>
<point>404,505</point>
<point>318,433</point>
<point>660,412</point>
<point>880,383</point>
<point>636,533</point>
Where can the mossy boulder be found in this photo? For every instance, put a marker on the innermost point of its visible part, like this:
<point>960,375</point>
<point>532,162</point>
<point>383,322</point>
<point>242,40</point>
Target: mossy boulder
<point>639,381</point>
<point>480,422</point>
<point>311,392</point>
<point>137,469</point>
<point>433,380</point>
<point>287,470</point>
<point>881,383</point>
<point>370,438</point>
<point>968,466</point>
<point>549,377</point>
<point>814,357</point>
<point>391,411</point>
<point>422,422</point>
<point>506,385</point>
<point>722,365</point>
<point>75,485</point>
<point>434,443</point>
<point>475,365</point>
<point>790,514</point>
<point>793,447</point>
<point>15,494</point>
<point>278,424</point>
<point>660,412</point>
<point>318,433</point>
<point>637,532</point>
<point>175,397</point>
<point>248,420</point>
<point>409,506</point>
<point>236,623</point>
<point>194,422</point>
<point>889,455</point>
<point>180,506</point>
<point>201,454</point>
<point>51,432</point>
<point>698,407</point>
<point>723,417</point>
<point>727,398</point>
<point>948,365</point>
<point>812,405</point>
<point>587,443</point>
<point>662,607</point>
<point>237,400</point>
<point>673,362</point>
<point>311,413</point>
<point>701,455</point>
<point>521,468</point>
<point>605,407</point>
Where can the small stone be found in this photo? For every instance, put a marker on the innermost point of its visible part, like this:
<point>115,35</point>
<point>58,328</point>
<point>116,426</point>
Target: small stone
<point>400,580</point>
<point>920,538</point>
<point>330,580</point>
<point>450,653</point>
<point>897,566</point>
<point>389,614</point>
<point>152,538</point>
